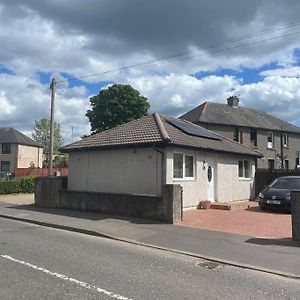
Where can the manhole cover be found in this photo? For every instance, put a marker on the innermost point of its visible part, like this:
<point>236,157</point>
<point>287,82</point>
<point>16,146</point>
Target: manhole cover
<point>208,264</point>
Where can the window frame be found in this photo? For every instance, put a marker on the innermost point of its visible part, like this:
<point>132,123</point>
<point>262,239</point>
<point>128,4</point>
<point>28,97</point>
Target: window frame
<point>297,159</point>
<point>286,164</point>
<point>1,166</point>
<point>184,177</point>
<point>253,137</point>
<point>285,140</point>
<point>3,147</point>
<point>271,164</point>
<point>245,171</point>
<point>270,145</point>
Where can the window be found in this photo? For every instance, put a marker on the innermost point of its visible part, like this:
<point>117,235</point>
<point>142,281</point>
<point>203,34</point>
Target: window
<point>6,148</point>
<point>5,166</point>
<point>236,134</point>
<point>271,165</point>
<point>183,166</point>
<point>253,137</point>
<point>270,140</point>
<point>297,159</point>
<point>286,164</point>
<point>241,137</point>
<point>285,140</point>
<point>244,169</point>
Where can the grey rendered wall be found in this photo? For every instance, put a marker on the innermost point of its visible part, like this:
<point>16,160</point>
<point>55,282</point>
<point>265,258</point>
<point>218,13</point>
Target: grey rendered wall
<point>126,171</point>
<point>228,186</point>
<point>52,192</point>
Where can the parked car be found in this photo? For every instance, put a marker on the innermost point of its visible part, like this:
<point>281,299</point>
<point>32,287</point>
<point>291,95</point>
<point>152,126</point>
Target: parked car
<point>278,193</point>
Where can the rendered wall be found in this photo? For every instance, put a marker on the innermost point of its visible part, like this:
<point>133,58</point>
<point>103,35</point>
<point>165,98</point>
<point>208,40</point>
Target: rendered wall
<point>133,171</point>
<point>27,156</point>
<point>52,192</point>
<point>228,186</point>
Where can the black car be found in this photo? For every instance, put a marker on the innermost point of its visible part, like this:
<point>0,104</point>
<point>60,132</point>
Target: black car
<point>278,193</point>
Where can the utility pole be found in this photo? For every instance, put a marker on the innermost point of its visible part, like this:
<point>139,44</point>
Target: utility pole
<point>52,88</point>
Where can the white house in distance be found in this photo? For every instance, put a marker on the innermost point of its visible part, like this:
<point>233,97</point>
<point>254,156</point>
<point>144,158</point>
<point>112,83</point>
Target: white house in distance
<point>139,156</point>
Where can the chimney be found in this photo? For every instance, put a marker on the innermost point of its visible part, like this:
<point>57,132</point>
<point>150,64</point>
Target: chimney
<point>233,101</point>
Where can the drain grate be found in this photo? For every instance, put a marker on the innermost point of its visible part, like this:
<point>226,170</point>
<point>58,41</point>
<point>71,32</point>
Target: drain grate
<point>211,265</point>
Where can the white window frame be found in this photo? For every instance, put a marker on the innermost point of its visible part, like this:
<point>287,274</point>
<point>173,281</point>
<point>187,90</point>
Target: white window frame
<point>285,139</point>
<point>183,167</point>
<point>244,170</point>
<point>298,156</point>
<point>270,145</point>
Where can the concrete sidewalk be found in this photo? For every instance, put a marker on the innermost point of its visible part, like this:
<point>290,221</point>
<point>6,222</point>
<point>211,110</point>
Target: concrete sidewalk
<point>278,256</point>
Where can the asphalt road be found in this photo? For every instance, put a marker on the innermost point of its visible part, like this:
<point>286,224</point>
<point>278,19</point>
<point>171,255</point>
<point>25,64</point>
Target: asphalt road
<point>43,263</point>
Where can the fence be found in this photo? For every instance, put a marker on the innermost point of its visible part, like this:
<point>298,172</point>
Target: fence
<point>21,172</point>
<point>264,177</point>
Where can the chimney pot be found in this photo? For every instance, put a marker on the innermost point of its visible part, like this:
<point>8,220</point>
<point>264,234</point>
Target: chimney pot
<point>233,101</point>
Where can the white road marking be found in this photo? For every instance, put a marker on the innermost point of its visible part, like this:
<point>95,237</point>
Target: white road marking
<point>70,279</point>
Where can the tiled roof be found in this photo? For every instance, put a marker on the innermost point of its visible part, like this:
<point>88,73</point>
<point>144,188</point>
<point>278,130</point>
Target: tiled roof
<point>13,136</point>
<point>156,130</point>
<point>216,113</point>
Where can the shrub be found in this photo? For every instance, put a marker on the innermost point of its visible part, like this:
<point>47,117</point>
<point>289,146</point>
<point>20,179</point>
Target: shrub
<point>20,185</point>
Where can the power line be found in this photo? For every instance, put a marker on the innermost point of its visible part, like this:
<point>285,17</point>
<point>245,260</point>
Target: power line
<point>186,56</point>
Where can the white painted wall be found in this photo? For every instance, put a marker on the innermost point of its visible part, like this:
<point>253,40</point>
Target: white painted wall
<point>128,171</point>
<point>228,186</point>
<point>139,171</point>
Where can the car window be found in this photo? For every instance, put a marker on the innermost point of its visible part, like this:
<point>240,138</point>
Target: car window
<point>286,183</point>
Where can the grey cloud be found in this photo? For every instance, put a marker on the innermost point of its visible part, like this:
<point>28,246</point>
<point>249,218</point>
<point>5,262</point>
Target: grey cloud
<point>162,27</point>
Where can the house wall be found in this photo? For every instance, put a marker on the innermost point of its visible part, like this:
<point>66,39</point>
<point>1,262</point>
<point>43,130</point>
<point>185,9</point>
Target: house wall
<point>291,150</point>
<point>21,156</point>
<point>12,157</point>
<point>28,155</point>
<point>127,171</point>
<point>228,186</point>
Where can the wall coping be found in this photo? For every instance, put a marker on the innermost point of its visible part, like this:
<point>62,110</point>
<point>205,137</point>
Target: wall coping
<point>50,177</point>
<point>117,194</point>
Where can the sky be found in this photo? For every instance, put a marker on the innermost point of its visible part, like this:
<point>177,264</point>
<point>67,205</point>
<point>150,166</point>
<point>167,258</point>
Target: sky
<point>179,53</point>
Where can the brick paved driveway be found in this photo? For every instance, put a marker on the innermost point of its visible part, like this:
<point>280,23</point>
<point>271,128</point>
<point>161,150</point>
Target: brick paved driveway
<point>250,221</point>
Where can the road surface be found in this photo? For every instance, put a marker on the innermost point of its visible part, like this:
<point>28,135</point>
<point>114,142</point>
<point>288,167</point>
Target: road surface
<point>43,263</point>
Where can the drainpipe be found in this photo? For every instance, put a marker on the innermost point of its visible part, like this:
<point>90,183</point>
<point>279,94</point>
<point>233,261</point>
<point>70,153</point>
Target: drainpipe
<point>162,165</point>
<point>165,139</point>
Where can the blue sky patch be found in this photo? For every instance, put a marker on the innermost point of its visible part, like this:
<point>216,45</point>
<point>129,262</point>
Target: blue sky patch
<point>5,70</point>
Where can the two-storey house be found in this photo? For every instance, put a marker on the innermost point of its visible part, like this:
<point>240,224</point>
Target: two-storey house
<point>18,151</point>
<point>277,140</point>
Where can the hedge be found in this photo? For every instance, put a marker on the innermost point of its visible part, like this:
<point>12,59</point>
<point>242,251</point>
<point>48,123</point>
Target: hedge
<point>20,185</point>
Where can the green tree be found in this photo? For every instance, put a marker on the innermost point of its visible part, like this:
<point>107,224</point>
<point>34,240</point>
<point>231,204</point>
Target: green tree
<point>61,160</point>
<point>41,134</point>
<point>116,105</point>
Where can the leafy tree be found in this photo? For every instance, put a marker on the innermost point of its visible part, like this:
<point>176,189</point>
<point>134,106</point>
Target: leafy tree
<point>116,105</point>
<point>61,160</point>
<point>41,134</point>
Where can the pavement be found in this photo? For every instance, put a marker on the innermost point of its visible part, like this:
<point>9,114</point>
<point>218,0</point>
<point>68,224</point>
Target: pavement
<point>272,255</point>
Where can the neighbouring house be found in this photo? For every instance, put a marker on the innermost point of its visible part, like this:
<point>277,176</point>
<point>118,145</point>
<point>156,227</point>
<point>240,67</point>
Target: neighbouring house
<point>139,157</point>
<point>277,140</point>
<point>18,151</point>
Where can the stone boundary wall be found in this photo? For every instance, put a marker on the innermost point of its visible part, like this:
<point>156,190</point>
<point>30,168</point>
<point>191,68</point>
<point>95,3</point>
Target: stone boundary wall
<point>52,192</point>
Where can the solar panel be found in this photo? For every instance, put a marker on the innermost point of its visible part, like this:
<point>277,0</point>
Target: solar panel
<point>193,129</point>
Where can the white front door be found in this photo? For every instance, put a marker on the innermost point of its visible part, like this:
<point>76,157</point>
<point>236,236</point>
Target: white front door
<point>210,181</point>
